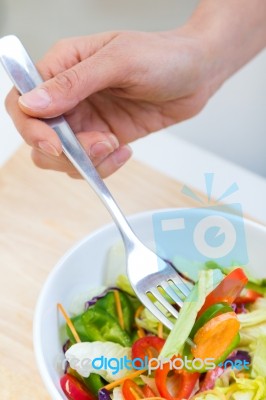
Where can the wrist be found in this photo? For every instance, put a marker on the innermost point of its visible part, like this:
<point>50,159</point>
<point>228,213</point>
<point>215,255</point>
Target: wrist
<point>208,62</point>
<point>229,34</point>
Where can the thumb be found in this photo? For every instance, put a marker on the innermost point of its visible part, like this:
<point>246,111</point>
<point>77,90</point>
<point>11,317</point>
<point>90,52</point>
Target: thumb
<point>64,91</point>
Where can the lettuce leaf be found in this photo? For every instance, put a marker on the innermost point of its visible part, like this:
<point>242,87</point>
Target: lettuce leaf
<point>210,395</point>
<point>100,322</point>
<point>243,388</point>
<point>259,358</point>
<point>149,322</point>
<point>85,356</point>
<point>208,280</point>
<point>115,263</point>
<point>239,389</point>
<point>253,324</point>
<point>79,300</point>
<point>123,283</point>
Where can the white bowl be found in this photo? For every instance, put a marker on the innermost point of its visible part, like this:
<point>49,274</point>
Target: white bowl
<point>82,267</point>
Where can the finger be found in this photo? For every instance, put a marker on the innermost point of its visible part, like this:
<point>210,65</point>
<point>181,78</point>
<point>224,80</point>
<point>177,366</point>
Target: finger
<point>36,133</point>
<point>39,135</point>
<point>105,166</point>
<point>63,92</point>
<point>110,164</point>
<point>97,145</point>
<point>68,52</point>
<point>116,160</point>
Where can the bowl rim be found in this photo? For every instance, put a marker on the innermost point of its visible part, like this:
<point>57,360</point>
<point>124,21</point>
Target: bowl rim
<point>46,378</point>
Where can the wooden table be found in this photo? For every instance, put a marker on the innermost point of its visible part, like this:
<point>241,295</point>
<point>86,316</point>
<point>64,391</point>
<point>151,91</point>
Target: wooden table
<point>42,214</point>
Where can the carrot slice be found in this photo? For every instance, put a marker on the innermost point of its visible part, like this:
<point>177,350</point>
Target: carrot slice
<point>119,309</point>
<point>215,337</point>
<point>69,322</point>
<point>160,330</point>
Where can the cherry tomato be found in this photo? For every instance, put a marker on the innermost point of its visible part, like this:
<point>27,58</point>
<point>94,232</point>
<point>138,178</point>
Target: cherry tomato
<point>227,290</point>
<point>148,346</point>
<point>74,389</point>
<point>183,382</point>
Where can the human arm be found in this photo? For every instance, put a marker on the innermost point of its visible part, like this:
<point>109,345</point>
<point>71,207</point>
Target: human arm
<point>134,83</point>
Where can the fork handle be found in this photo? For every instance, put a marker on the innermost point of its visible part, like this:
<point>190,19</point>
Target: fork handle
<point>26,77</point>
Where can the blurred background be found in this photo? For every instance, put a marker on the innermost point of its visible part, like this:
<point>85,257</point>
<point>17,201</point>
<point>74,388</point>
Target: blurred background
<point>233,124</point>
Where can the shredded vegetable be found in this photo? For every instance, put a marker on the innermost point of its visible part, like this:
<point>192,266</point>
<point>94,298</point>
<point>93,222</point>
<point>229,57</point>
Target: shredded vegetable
<point>138,358</point>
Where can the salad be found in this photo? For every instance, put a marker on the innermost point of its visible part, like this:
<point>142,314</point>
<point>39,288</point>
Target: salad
<point>116,349</point>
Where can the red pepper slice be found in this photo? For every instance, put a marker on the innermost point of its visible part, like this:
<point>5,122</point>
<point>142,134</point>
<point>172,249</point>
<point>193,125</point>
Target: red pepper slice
<point>74,389</point>
<point>148,346</point>
<point>227,290</point>
<point>247,296</point>
<point>183,382</point>
<point>131,391</point>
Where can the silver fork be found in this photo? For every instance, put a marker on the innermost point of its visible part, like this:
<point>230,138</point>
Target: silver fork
<point>148,273</point>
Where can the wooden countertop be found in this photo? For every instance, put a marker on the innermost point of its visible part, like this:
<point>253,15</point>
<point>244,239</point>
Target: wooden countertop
<point>42,214</point>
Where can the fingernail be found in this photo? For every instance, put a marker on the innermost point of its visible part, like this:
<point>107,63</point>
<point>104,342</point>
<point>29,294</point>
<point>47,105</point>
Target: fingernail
<point>114,141</point>
<point>101,149</point>
<point>122,155</point>
<point>36,99</point>
<point>48,148</point>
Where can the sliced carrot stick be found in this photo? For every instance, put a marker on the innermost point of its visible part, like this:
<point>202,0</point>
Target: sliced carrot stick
<point>215,337</point>
<point>160,330</point>
<point>139,311</point>
<point>141,333</point>
<point>69,322</point>
<point>119,309</point>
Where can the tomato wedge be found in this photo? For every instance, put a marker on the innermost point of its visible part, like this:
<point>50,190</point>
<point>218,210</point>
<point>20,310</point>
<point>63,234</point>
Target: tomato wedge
<point>74,389</point>
<point>182,382</point>
<point>227,290</point>
<point>149,347</point>
<point>247,296</point>
<point>132,391</point>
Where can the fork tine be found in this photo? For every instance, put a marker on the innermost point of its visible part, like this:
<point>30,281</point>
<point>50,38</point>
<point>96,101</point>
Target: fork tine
<point>155,292</point>
<point>167,288</point>
<point>180,285</point>
<point>157,313</point>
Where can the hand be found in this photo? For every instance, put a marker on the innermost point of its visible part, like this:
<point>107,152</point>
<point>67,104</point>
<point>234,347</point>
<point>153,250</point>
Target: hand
<point>113,88</point>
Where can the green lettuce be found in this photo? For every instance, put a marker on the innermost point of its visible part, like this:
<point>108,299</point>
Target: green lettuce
<point>259,358</point>
<point>84,357</point>
<point>239,389</point>
<point>123,283</point>
<point>208,280</point>
<point>100,322</point>
<point>115,263</point>
<point>253,323</point>
<point>243,388</point>
<point>150,323</point>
